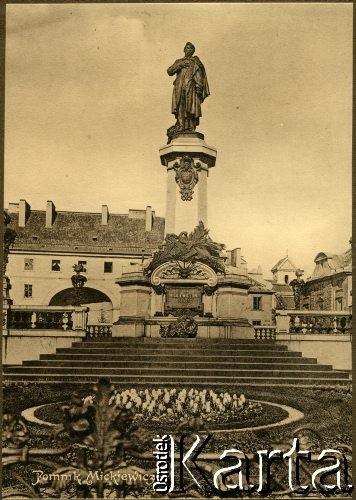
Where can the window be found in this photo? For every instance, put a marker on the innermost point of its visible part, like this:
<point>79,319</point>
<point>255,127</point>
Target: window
<point>28,264</point>
<point>27,291</point>
<point>257,303</point>
<point>256,323</point>
<point>338,304</point>
<point>83,263</point>
<point>107,267</point>
<point>56,265</point>
<point>286,279</point>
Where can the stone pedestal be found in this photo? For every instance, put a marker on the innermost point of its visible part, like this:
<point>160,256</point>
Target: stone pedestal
<point>135,292</point>
<point>187,159</point>
<point>232,304</point>
<point>282,322</point>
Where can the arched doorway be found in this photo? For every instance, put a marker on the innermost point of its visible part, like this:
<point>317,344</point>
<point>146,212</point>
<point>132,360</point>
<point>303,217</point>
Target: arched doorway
<point>100,305</point>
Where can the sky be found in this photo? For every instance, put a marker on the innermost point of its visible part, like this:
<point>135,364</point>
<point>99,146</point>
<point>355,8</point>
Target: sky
<point>88,102</point>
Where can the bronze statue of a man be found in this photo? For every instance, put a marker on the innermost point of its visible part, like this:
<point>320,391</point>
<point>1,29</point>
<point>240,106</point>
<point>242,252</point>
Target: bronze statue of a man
<point>190,88</point>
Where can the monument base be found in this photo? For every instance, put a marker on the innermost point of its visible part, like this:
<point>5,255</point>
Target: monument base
<point>208,328</point>
<point>129,327</point>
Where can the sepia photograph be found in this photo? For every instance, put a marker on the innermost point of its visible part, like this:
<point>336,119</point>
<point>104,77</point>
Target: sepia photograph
<point>177,259</point>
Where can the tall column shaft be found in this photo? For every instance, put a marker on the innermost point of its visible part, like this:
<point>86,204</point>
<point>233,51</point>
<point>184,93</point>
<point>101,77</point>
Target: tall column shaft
<point>187,159</point>
<point>170,202</point>
<point>203,197</point>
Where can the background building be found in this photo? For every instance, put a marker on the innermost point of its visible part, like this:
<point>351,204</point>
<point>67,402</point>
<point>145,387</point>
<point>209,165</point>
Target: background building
<point>50,242</point>
<point>330,286</point>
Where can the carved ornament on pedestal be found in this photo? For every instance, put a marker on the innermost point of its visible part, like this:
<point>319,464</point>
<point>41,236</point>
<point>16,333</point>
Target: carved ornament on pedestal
<point>186,177</point>
<point>184,327</point>
<point>171,272</point>
<point>186,250</point>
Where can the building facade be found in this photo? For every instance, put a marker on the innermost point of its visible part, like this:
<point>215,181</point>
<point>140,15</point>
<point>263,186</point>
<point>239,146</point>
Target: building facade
<point>50,242</point>
<point>330,286</point>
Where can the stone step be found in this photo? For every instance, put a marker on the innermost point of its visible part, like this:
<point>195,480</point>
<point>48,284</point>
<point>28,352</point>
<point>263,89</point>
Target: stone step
<point>174,364</point>
<point>178,362</point>
<point>144,358</point>
<point>174,340</point>
<point>174,352</point>
<point>215,345</point>
<point>158,371</point>
<point>182,380</point>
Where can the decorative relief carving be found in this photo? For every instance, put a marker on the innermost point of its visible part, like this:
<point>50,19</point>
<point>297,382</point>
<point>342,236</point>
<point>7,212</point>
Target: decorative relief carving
<point>185,250</point>
<point>186,177</point>
<point>171,272</point>
<point>185,326</point>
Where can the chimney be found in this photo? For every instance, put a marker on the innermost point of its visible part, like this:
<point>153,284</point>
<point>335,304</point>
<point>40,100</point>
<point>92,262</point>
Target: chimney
<point>236,257</point>
<point>104,215</point>
<point>24,212</point>
<point>13,208</point>
<point>148,226</point>
<point>50,213</point>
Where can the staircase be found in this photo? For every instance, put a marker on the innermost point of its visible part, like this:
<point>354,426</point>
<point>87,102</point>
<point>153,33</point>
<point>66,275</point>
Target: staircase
<point>202,362</point>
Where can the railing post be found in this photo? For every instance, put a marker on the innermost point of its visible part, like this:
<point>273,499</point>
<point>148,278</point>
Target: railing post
<point>65,321</point>
<point>33,319</point>
<point>79,317</point>
<point>282,322</point>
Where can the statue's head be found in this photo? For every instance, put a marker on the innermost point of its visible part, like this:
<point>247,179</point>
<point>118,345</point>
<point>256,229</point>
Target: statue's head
<point>189,49</point>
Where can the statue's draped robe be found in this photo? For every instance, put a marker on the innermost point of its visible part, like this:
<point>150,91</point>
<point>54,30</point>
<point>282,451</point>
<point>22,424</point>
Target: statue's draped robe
<point>185,101</point>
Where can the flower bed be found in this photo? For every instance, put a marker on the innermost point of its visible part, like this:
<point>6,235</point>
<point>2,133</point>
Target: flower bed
<point>162,410</point>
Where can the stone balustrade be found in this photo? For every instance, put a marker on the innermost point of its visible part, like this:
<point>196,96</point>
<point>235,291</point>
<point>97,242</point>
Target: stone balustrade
<point>99,330</point>
<point>265,332</point>
<point>305,321</point>
<point>46,318</point>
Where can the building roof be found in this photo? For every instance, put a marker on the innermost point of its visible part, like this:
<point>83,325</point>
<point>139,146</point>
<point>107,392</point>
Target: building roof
<point>284,264</point>
<point>285,302</point>
<point>84,232</point>
<point>328,263</point>
<point>281,288</point>
<point>259,289</point>
<point>259,281</point>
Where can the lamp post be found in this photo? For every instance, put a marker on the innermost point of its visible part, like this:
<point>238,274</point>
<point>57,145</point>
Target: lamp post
<point>9,239</point>
<point>298,286</point>
<point>78,281</point>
